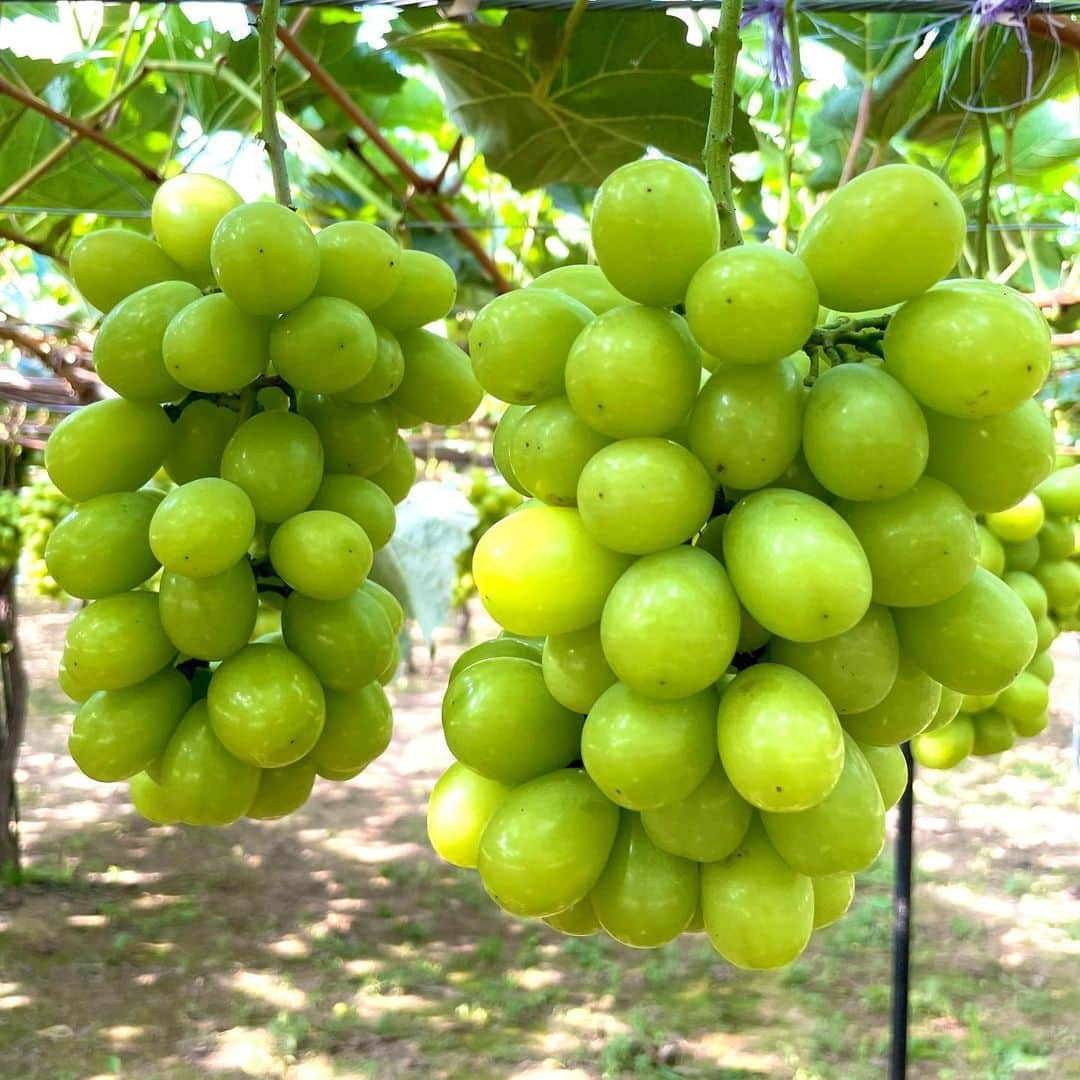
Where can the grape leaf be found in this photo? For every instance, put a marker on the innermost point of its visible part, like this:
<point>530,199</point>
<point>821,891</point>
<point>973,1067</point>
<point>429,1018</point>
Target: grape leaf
<point>628,81</point>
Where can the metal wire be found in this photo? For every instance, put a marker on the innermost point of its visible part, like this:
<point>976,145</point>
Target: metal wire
<point>854,7</point>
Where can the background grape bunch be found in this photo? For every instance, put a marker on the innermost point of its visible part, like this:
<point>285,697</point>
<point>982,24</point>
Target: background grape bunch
<point>35,513</point>
<point>748,568</point>
<point>233,646</point>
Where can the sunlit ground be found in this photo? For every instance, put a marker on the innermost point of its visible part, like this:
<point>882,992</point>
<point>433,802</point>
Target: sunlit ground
<point>333,944</point>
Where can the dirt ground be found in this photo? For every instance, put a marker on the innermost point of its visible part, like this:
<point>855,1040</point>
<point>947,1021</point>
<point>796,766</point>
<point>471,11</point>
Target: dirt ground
<point>334,943</point>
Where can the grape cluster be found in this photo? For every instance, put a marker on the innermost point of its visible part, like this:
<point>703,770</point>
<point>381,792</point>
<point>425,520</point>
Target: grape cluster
<point>41,507</point>
<point>1031,546</point>
<point>492,502</point>
<point>747,570</point>
<point>233,646</point>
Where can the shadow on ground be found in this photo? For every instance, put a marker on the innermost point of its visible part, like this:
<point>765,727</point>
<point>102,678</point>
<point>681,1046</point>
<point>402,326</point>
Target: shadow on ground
<point>334,944</point>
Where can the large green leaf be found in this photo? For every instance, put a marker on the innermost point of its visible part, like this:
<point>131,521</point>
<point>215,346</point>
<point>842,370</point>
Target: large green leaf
<point>628,81</point>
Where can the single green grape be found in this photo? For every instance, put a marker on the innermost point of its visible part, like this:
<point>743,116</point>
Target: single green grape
<point>642,495</point>
<point>995,461</point>
<point>212,345</point>
<point>747,422</point>
<point>385,375</point>
<point>1026,587</point>
<point>796,565</point>
<point>969,348</point>
<point>488,650</point>
<point>976,641</point>
<point>671,623</point>
<point>922,546</point>
<point>1059,493</point>
<point>519,343</point>
<point>906,710</point>
<point>282,791</point>
<point>111,445</point>
<point>549,448</point>
<point>358,262</point>
<point>150,801</point>
<point>276,458</point>
<point>347,642</point>
<point>1056,539</point>
<point>994,733</point>
<point>643,753</point>
<point>751,304</point>
<point>864,436</point>
<point>832,898</point>
<point>500,720</point>
<point>201,780</point>
<point>117,641</point>
<point>200,434</point>
<point>991,551</point>
<point>653,224</point>
<point>577,921</point>
<point>1024,699</point>
<point>210,618</point>
<point>539,572</point>
<point>321,554</point>
<point>357,439</point>
<point>266,706</point>
<point>645,897</point>
<point>202,528</point>
<point>706,825</point>
<point>575,670</point>
<point>947,710</point>
<point>502,441</point>
<point>359,725</point>
<point>780,742</point>
<point>323,346</point>
<point>398,475</point>
<point>890,770</point>
<point>585,284</point>
<point>361,499</point>
<point>1021,556</point>
<point>118,733</point>
<point>102,547</point>
<point>946,747</point>
<point>1029,726</point>
<point>855,669</point>
<point>264,258</point>
<point>759,913</point>
<point>128,351</point>
<point>185,211</point>
<point>108,265</point>
<point>547,844</point>
<point>461,804</point>
<point>885,236</point>
<point>425,292</point>
<point>1043,666</point>
<point>70,683</point>
<point>1061,582</point>
<point>1047,631</point>
<point>438,385</point>
<point>618,395</point>
<point>844,833</point>
<point>392,609</point>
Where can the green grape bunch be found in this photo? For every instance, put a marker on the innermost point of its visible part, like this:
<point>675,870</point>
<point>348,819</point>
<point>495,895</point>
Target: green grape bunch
<point>41,507</point>
<point>492,503</point>
<point>233,646</point>
<point>11,525</point>
<point>756,558</point>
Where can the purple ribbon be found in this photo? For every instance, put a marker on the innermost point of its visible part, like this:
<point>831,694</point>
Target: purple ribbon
<point>777,49</point>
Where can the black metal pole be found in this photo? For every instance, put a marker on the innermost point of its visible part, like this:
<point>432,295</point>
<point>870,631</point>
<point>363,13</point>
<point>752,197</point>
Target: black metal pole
<point>901,949</point>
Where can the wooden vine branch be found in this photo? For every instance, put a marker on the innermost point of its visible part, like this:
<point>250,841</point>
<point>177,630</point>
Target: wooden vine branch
<point>88,132</point>
<point>336,93</point>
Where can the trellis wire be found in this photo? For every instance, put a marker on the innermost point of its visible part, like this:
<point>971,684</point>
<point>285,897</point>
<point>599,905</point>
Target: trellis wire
<point>852,7</point>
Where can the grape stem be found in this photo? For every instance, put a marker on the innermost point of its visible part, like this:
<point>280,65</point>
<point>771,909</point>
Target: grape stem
<point>719,137</point>
<point>543,84</point>
<point>787,197</point>
<point>271,136</point>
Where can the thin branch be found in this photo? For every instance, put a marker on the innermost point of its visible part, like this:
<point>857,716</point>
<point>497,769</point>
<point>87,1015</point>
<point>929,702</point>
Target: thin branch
<point>436,182</point>
<point>719,137</point>
<point>982,245</point>
<point>333,90</point>
<point>1057,28</point>
<point>543,85</point>
<point>30,101</point>
<point>269,16</point>
<point>862,123</point>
